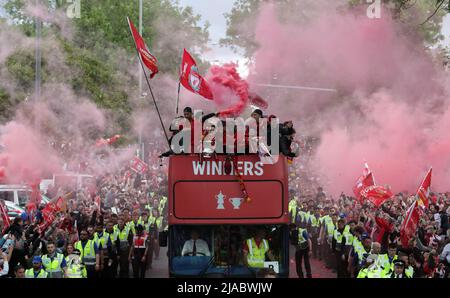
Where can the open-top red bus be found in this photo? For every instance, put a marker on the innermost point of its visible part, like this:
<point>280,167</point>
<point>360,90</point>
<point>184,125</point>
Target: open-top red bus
<point>207,198</point>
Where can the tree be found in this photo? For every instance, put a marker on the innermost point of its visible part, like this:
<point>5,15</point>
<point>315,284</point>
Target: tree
<point>424,17</point>
<point>100,52</point>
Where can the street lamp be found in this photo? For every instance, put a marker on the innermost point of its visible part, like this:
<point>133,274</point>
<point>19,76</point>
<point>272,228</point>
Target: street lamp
<point>141,144</point>
<point>38,56</point>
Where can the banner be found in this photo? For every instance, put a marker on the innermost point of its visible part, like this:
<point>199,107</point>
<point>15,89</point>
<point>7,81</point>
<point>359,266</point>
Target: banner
<point>139,166</point>
<point>4,215</point>
<point>191,79</point>
<point>423,193</point>
<point>147,58</point>
<point>376,194</point>
<point>409,225</point>
<point>363,181</point>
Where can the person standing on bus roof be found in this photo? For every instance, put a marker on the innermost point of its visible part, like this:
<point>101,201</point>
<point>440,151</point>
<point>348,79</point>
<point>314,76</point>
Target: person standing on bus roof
<point>255,250</point>
<point>195,246</point>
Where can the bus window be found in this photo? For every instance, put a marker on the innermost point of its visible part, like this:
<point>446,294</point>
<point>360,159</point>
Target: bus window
<point>7,195</point>
<point>221,249</point>
<point>187,259</point>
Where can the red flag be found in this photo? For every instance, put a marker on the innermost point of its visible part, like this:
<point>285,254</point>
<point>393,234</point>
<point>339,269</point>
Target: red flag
<point>363,181</point>
<point>147,58</point>
<point>258,101</point>
<point>138,165</point>
<point>102,142</point>
<point>376,194</point>
<point>4,215</point>
<point>423,193</point>
<point>409,224</point>
<point>191,79</point>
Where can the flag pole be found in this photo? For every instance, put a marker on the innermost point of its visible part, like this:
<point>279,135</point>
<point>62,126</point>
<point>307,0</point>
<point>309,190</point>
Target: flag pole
<point>179,84</point>
<point>149,86</point>
<point>178,97</point>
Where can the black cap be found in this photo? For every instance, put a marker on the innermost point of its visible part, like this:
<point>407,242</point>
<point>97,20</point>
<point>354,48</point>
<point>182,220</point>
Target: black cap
<point>187,110</point>
<point>399,263</point>
<point>259,112</point>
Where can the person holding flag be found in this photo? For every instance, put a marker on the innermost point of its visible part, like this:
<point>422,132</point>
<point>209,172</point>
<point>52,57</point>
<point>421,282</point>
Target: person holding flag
<point>410,223</point>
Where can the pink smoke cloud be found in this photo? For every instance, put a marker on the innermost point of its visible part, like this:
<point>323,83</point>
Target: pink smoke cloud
<point>391,104</point>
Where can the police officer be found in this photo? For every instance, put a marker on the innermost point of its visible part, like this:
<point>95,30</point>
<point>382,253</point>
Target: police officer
<point>54,262</point>
<point>399,270</point>
<point>386,261</point>
<point>75,268</point>
<point>139,252</point>
<point>338,246</point>
<point>37,271</point>
<point>123,242</point>
<point>303,251</point>
<point>314,231</point>
<point>89,254</point>
<point>371,269</point>
<point>110,254</point>
<point>256,249</point>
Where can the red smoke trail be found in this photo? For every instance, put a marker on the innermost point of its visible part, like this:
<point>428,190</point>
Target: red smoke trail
<point>227,76</point>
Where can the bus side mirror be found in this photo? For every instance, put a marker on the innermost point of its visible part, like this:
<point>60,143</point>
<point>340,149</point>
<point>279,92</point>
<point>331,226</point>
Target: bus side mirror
<point>162,239</point>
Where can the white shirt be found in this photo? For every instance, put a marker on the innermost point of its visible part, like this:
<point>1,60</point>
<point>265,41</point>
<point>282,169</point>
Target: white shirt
<point>201,246</point>
<point>446,253</point>
<point>5,268</point>
<point>437,218</point>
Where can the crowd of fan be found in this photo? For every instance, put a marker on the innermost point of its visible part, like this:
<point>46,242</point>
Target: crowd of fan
<point>361,241</point>
<point>86,240</point>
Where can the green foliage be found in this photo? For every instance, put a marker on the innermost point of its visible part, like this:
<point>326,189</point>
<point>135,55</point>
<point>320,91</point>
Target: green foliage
<point>21,66</point>
<point>96,79</point>
<point>101,52</point>
<point>421,16</point>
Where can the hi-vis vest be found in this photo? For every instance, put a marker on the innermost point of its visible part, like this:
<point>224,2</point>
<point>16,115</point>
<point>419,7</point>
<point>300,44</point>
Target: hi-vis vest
<point>329,225</point>
<point>302,242</point>
<point>339,237</point>
<point>383,262</point>
<point>132,226</point>
<point>162,204</point>
<point>348,236</point>
<point>144,224</point>
<point>88,253</point>
<point>101,240</point>
<point>157,222</point>
<point>315,222</point>
<point>371,272</point>
<point>257,255</point>
<point>123,237</point>
<point>293,210</point>
<point>409,272</point>
<point>76,271</point>
<point>139,241</point>
<point>362,254</point>
<point>29,273</point>
<point>53,268</point>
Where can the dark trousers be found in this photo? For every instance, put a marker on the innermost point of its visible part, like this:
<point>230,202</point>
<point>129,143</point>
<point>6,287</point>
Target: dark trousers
<point>315,247</point>
<point>138,266</point>
<point>90,271</point>
<point>341,266</point>
<point>110,271</point>
<point>124,271</point>
<point>302,254</point>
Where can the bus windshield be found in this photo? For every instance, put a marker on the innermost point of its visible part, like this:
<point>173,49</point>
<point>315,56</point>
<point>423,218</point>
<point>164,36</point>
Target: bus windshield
<point>220,250</point>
